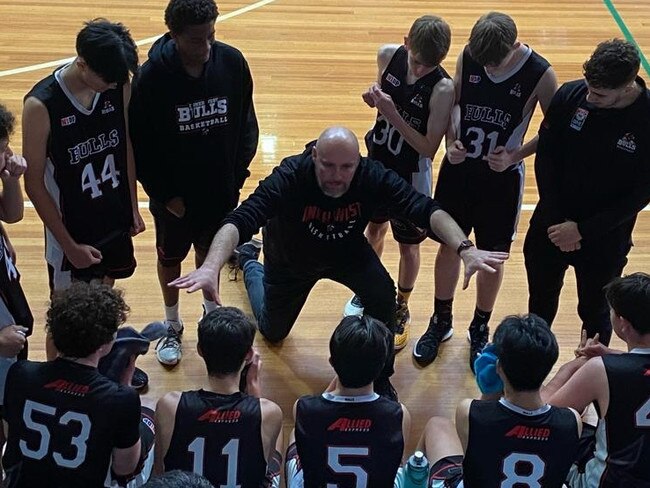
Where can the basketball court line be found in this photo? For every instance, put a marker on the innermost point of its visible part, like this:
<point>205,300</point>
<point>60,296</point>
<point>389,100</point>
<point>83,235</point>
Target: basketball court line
<point>148,40</point>
<point>626,32</point>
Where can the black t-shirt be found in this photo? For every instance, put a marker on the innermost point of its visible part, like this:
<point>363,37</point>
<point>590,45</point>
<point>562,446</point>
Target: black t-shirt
<point>86,171</point>
<point>492,109</point>
<point>508,443</point>
<point>334,433</point>
<point>412,102</point>
<point>64,420</point>
<point>219,437</point>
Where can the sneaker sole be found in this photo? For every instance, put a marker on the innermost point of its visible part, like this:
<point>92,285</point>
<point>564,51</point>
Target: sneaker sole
<point>445,338</point>
<point>401,345</point>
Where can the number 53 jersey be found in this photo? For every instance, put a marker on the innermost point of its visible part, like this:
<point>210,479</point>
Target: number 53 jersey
<point>64,421</point>
<point>86,168</point>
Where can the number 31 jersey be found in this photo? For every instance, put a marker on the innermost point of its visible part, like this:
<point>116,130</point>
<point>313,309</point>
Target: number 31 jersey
<point>492,108</point>
<point>86,169</point>
<point>412,102</point>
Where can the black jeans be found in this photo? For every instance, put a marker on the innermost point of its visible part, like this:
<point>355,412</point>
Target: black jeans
<point>277,293</point>
<point>595,265</point>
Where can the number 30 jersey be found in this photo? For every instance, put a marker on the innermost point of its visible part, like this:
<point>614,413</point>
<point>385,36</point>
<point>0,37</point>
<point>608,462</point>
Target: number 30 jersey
<point>86,169</point>
<point>492,108</point>
<point>412,102</point>
<point>64,421</point>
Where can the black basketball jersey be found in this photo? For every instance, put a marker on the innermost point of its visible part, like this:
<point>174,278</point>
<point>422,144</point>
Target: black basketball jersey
<point>86,171</point>
<point>623,437</point>
<point>412,102</point>
<point>509,446</point>
<point>64,420</point>
<point>349,441</point>
<point>219,437</point>
<point>492,109</point>
<point>10,290</point>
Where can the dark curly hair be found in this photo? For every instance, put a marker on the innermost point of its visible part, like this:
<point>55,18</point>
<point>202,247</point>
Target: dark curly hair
<point>7,121</point>
<point>180,14</point>
<point>613,64</point>
<point>84,317</point>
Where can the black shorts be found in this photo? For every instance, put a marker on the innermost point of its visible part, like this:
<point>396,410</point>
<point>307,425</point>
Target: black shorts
<point>404,231</point>
<point>175,236</point>
<point>118,262</point>
<point>446,472</point>
<point>482,200</point>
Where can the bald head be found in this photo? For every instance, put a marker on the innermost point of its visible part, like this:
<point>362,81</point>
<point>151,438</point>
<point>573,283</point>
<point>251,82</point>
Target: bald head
<point>336,157</point>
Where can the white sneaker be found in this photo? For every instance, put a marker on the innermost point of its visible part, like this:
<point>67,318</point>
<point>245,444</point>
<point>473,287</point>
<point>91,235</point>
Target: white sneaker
<point>169,349</point>
<point>353,307</point>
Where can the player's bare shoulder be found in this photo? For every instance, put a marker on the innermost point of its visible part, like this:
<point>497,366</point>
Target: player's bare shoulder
<point>385,54</point>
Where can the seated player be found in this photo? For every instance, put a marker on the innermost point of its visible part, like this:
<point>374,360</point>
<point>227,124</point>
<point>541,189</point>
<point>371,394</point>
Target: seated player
<point>619,385</point>
<point>349,432</point>
<point>222,433</point>
<point>66,424</point>
<point>517,440</point>
<point>178,479</point>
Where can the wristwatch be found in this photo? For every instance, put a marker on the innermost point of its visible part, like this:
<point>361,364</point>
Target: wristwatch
<point>466,244</point>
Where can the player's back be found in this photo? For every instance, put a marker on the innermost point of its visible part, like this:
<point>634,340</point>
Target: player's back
<point>349,441</point>
<point>219,437</point>
<point>510,445</point>
<point>64,421</point>
<point>623,437</point>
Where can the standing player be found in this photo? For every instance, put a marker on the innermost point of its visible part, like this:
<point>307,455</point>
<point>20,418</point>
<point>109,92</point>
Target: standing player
<point>618,383</point>
<point>593,175</point>
<point>194,134</point>
<point>413,96</point>
<point>498,83</point>
<point>13,304</point>
<point>221,433</point>
<point>517,440</point>
<point>66,424</point>
<point>81,176</point>
<point>349,431</point>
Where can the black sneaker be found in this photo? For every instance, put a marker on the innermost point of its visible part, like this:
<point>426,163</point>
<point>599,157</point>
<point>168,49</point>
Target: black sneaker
<point>426,348</point>
<point>478,336</point>
<point>384,387</point>
<point>248,251</point>
<point>140,379</point>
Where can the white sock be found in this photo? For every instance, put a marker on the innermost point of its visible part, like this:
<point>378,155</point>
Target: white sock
<point>171,313</point>
<point>209,305</point>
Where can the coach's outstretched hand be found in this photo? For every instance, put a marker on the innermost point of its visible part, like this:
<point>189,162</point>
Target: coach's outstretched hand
<point>204,278</point>
<point>478,260</point>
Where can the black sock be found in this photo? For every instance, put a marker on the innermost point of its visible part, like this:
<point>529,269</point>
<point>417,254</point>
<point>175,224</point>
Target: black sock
<point>442,308</point>
<point>480,317</point>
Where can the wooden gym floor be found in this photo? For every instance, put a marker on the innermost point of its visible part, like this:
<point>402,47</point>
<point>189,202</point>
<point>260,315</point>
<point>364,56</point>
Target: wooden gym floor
<point>310,61</point>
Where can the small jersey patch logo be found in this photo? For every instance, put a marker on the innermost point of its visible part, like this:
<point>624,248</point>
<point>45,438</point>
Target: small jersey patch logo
<point>516,90</point>
<point>69,120</point>
<point>392,80</point>
<point>108,107</point>
<point>344,424</point>
<point>474,79</point>
<point>627,143</point>
<point>417,100</point>
<point>579,118</point>
<point>529,433</point>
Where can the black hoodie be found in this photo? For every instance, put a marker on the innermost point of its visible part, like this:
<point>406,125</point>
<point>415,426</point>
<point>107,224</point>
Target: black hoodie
<point>194,137</point>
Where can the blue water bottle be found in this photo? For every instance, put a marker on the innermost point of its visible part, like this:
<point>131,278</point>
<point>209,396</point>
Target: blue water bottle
<point>416,471</point>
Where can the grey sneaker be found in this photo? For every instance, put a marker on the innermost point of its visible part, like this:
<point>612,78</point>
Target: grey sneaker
<point>169,349</point>
<point>353,307</point>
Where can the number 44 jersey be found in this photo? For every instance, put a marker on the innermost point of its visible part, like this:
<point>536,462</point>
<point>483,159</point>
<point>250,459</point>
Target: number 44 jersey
<point>86,168</point>
<point>65,419</point>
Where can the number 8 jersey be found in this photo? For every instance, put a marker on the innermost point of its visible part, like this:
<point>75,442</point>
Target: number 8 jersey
<point>86,169</point>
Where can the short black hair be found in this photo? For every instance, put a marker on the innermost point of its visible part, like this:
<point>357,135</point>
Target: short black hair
<point>178,479</point>
<point>225,337</point>
<point>84,317</point>
<point>527,350</point>
<point>629,297</point>
<point>492,38</point>
<point>180,14</point>
<point>7,121</point>
<point>108,49</point>
<point>613,64</point>
<point>359,348</point>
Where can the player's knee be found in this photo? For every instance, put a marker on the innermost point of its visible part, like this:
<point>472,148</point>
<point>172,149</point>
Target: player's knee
<point>409,252</point>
